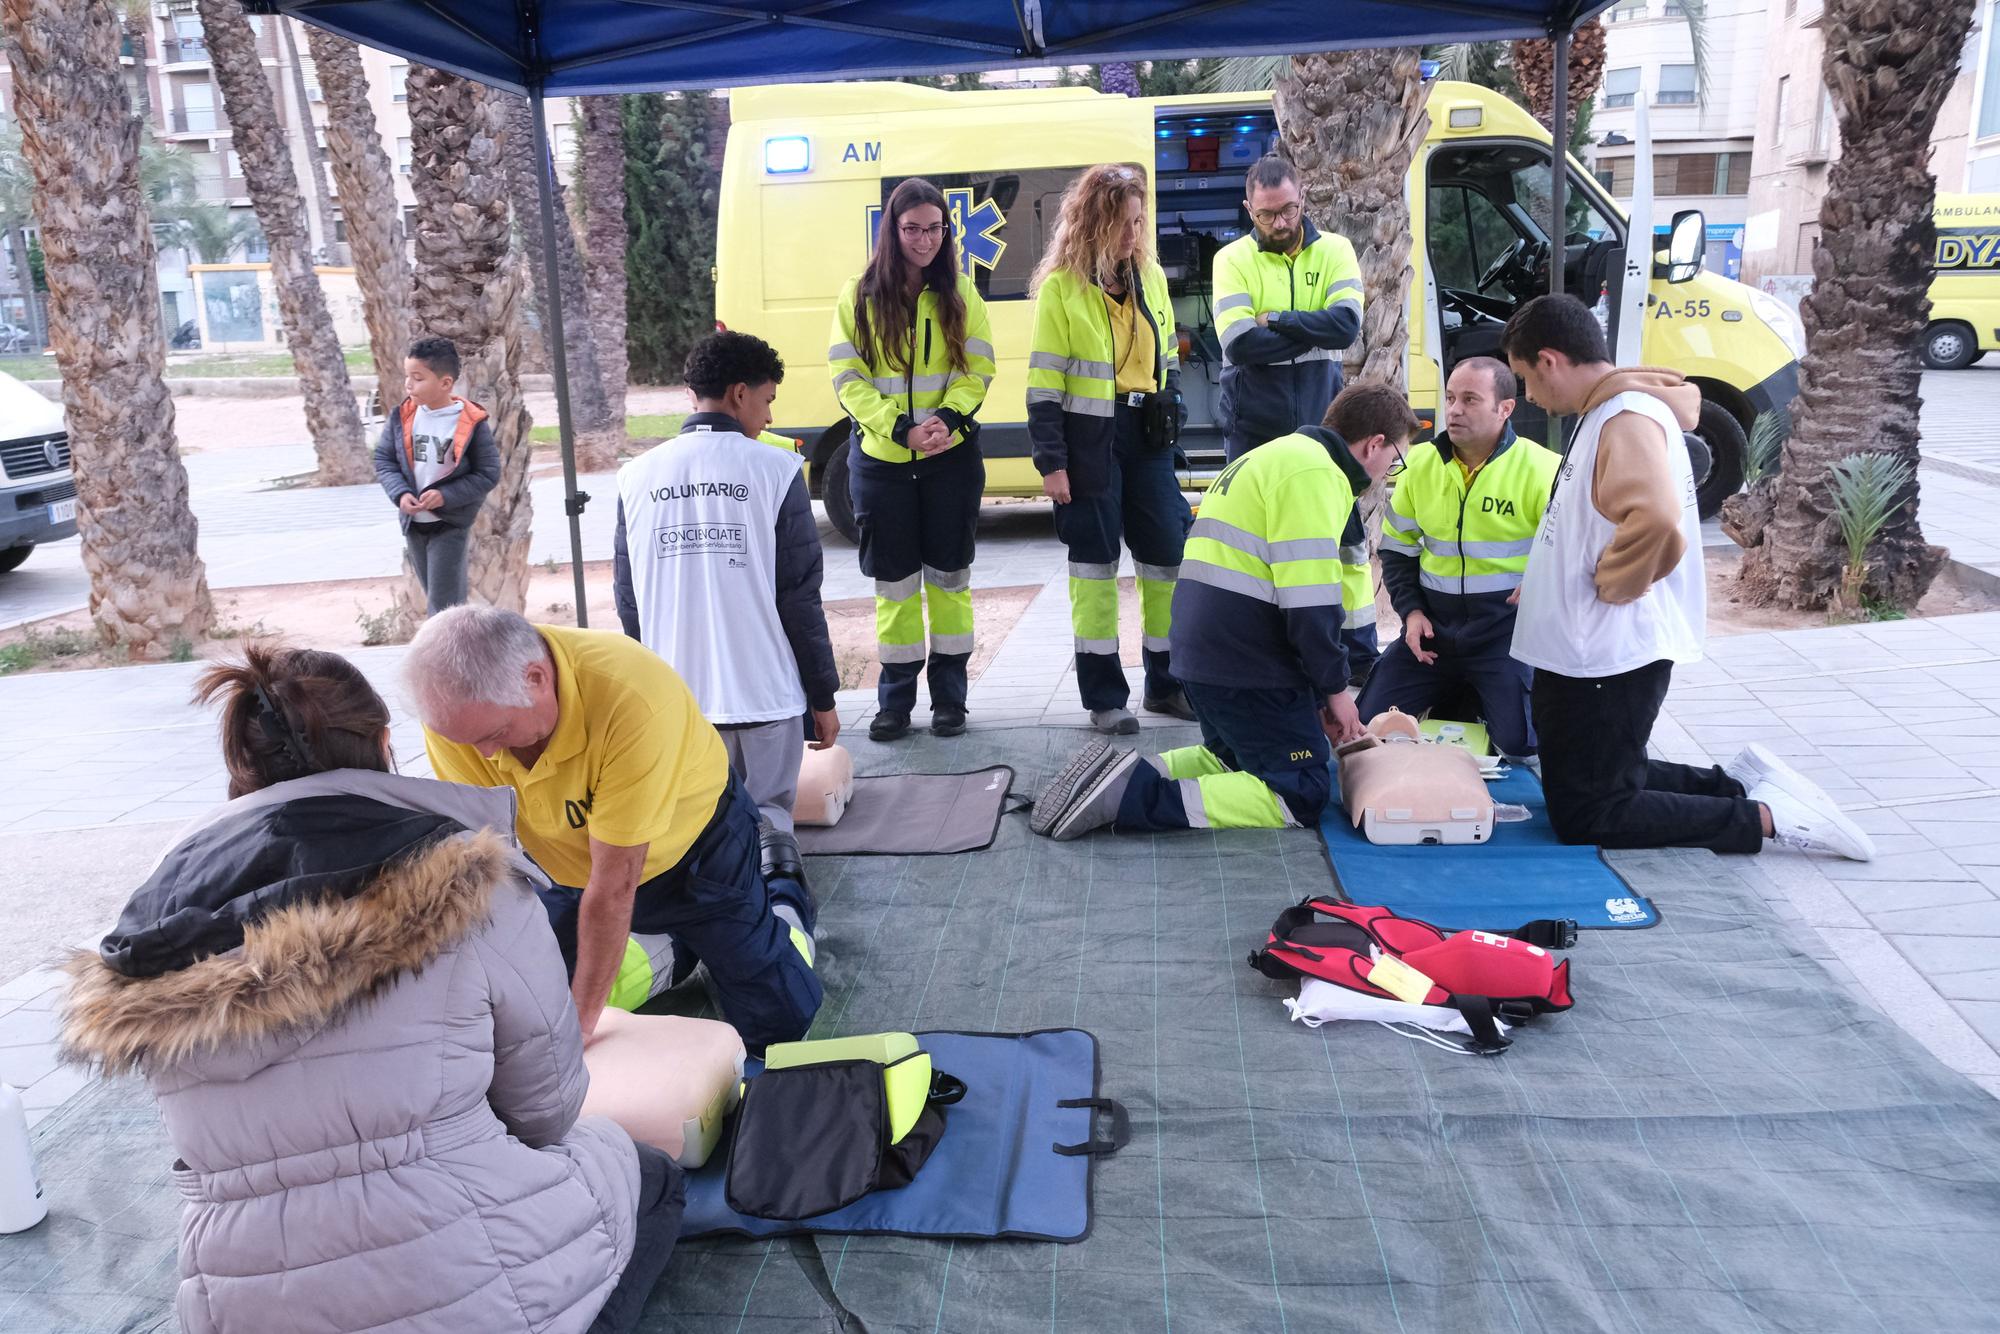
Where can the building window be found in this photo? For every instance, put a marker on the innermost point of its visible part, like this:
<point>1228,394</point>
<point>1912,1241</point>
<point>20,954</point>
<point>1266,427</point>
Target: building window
<point>1675,10</point>
<point>1732,173</point>
<point>1676,84</point>
<point>340,227</point>
<point>399,82</point>
<point>1700,174</point>
<point>233,167</point>
<point>403,155</point>
<point>1626,12</point>
<point>1989,97</point>
<point>1616,174</point>
<point>1621,86</point>
<point>1784,110</point>
<point>1825,135</point>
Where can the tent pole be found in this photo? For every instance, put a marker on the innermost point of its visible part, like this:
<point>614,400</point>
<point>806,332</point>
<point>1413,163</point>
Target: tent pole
<point>573,500</point>
<point>1559,173</point>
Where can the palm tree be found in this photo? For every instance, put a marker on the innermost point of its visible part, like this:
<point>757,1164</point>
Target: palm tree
<point>1351,123</point>
<point>315,155</point>
<point>366,184</point>
<point>148,590</point>
<point>331,413</point>
<point>603,144</point>
<point>212,232</point>
<point>597,436</point>
<point>1888,69</point>
<point>1534,63</point>
<point>467,289</point>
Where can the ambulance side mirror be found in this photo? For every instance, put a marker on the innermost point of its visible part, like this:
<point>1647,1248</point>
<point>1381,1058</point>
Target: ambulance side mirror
<point>1687,245</point>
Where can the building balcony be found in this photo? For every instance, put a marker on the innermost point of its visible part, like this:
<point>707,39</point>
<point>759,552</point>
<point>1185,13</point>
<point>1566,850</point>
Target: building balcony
<point>195,120</point>
<point>183,51</point>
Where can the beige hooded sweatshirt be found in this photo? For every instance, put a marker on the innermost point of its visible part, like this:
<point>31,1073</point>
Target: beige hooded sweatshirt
<point>1632,485</point>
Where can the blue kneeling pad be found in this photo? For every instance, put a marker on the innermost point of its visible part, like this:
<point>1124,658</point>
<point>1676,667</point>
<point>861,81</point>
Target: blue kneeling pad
<point>1014,1162</point>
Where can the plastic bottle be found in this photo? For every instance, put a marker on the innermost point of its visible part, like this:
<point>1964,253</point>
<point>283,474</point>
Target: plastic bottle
<point>21,1202</point>
<point>1603,308</point>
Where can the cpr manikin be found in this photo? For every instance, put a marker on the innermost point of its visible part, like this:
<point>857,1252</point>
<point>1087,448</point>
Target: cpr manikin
<point>1399,787</point>
<point>826,785</point>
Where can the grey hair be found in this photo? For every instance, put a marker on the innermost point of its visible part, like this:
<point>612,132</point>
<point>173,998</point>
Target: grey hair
<point>473,653</point>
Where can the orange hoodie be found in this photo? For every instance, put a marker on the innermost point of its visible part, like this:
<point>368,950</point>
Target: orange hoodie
<point>1633,486</point>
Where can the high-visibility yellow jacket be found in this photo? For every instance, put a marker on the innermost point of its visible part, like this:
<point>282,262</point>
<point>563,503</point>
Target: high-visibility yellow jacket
<point>1259,602</point>
<point>1072,387</point>
<point>885,400</point>
<point>1283,375</point>
<point>1456,551</point>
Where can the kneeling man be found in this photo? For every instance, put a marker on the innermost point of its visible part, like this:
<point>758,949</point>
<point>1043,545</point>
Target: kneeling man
<point>626,800</point>
<point>1256,641</point>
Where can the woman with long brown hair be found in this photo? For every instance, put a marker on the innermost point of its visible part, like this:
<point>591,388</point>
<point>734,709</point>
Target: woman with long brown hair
<point>911,357</point>
<point>1104,413</point>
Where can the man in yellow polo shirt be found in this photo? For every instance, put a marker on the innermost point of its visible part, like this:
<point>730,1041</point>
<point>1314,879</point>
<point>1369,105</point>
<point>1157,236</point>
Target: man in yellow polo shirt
<point>627,802</point>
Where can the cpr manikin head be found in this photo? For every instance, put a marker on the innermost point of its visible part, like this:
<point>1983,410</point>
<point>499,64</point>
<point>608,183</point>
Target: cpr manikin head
<point>1478,400</point>
<point>1277,210</point>
<point>736,373</point>
<point>483,677</point>
<point>1376,422</point>
<point>1557,347</point>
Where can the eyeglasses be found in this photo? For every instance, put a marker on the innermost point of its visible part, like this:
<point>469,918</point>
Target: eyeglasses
<point>1265,217</point>
<point>1396,468</point>
<point>912,232</point>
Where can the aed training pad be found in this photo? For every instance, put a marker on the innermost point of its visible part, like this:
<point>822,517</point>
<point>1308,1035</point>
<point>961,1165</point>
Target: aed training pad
<point>1522,873</point>
<point>999,1173</point>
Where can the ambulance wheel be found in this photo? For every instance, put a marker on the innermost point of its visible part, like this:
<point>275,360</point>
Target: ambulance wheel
<point>1950,346</point>
<point>1719,476</point>
<point>838,499</point>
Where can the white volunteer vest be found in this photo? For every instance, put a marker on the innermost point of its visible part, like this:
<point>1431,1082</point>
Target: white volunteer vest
<point>701,513</point>
<point>1561,625</point>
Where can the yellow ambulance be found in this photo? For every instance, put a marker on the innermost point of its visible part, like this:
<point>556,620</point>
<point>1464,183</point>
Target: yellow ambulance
<point>808,168</point>
<point>1965,282</point>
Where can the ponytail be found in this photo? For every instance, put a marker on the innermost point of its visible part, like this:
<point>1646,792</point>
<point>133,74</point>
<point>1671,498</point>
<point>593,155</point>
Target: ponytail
<point>287,713</point>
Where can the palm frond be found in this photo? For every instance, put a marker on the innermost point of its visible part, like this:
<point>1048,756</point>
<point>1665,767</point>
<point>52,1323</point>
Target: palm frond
<point>1767,441</point>
<point>1695,12</point>
<point>1246,74</point>
<point>1863,489</point>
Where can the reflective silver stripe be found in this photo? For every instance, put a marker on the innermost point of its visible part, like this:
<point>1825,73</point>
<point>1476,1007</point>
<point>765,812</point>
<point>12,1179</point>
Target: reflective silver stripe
<point>1437,546</point>
<point>1360,618</point>
<point>1469,583</point>
<point>1047,361</point>
<point>1232,581</point>
<point>1080,367</point>
<point>951,645</point>
<point>900,590</point>
<point>901,652</point>
<point>1100,647</point>
<point>1239,301</point>
<point>845,376</point>
<point>1083,570</point>
<point>1309,595</point>
<point>1354,555</point>
<point>1191,803</point>
<point>1232,332</point>
<point>978,347</point>
<point>1391,519</point>
<point>1345,285</point>
<point>1298,548</point>
<point>1159,574</point>
<point>1155,643</point>
<point>843,352</point>
<point>948,581</point>
<point>922,415</point>
<point>1039,395</point>
<point>1310,355</point>
<point>1393,542</point>
<point>1088,407</point>
<point>891,384</point>
<point>1349,303</point>
<point>923,384</point>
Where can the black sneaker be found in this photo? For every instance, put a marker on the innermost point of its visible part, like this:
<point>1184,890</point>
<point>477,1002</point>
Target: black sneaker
<point>947,721</point>
<point>1085,765</point>
<point>889,726</point>
<point>1174,706</point>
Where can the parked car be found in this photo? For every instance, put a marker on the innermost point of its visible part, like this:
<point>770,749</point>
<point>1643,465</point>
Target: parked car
<point>37,489</point>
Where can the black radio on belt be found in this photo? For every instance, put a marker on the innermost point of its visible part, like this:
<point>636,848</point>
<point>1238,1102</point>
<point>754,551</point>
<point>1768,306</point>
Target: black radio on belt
<point>1159,417</point>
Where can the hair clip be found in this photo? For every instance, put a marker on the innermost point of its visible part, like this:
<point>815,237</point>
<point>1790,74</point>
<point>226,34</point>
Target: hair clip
<point>281,726</point>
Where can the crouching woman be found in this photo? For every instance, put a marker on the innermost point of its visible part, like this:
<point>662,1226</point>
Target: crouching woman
<point>346,997</point>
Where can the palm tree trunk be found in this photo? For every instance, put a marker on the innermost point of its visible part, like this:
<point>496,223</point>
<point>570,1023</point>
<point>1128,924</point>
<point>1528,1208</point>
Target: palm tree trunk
<point>331,414</point>
<point>1889,65</point>
<point>336,251</point>
<point>148,590</point>
<point>596,450</point>
<point>468,290</point>
<point>1352,122</point>
<point>366,183</point>
<point>604,245</point>
<point>1534,61</point>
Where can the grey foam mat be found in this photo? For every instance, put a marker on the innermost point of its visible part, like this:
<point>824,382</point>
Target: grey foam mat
<point>913,814</point>
<point>1718,1136</point>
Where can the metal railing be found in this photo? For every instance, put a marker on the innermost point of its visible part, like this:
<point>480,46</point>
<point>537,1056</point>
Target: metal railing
<point>183,51</point>
<point>194,120</point>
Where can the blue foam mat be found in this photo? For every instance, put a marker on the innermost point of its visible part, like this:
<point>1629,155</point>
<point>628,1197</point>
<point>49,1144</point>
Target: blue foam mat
<point>995,1174</point>
<point>1522,873</point>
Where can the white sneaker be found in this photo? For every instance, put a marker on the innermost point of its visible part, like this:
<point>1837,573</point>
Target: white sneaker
<point>1794,824</point>
<point>1757,766</point>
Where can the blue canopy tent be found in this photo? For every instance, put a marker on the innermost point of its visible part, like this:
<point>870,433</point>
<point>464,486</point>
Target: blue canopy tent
<point>569,48</point>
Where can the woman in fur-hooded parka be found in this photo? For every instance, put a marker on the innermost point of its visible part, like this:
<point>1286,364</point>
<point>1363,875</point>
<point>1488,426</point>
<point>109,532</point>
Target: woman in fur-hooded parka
<point>346,997</point>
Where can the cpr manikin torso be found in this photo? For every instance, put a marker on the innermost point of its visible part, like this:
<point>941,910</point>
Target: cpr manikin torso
<point>1401,788</point>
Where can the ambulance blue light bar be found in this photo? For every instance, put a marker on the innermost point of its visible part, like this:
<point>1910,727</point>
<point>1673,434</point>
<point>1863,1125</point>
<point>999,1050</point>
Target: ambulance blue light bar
<point>787,155</point>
